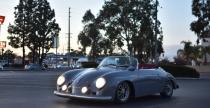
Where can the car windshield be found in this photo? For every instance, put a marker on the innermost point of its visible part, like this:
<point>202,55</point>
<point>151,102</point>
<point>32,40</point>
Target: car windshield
<point>118,62</point>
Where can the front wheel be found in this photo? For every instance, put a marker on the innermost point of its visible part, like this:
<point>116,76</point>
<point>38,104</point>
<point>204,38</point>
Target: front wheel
<point>123,92</point>
<point>167,90</point>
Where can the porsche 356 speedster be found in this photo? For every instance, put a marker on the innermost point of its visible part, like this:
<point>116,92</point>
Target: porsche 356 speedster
<point>117,78</point>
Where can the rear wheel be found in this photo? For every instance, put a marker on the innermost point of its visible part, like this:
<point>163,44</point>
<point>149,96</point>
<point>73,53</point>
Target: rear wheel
<point>123,92</point>
<point>167,90</point>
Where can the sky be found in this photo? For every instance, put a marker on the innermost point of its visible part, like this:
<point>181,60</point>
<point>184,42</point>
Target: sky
<point>175,17</point>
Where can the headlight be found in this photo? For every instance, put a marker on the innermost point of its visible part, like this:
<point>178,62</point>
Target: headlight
<point>84,90</point>
<point>64,87</point>
<point>61,80</point>
<point>100,82</point>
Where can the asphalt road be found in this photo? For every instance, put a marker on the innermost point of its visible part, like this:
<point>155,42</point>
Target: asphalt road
<point>35,90</point>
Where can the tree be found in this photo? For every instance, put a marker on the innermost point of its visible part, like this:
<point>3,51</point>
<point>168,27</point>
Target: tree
<point>9,56</point>
<point>45,27</point>
<point>34,27</point>
<point>90,35</point>
<point>106,47</point>
<point>190,51</point>
<point>132,22</point>
<point>18,31</point>
<point>187,49</point>
<point>33,57</point>
<point>200,9</point>
<point>84,40</point>
<point>201,26</point>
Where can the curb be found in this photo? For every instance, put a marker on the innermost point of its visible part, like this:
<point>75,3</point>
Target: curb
<point>12,70</point>
<point>187,78</point>
<point>184,78</point>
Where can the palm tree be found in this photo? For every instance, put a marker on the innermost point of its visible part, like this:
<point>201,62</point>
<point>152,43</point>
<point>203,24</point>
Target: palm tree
<point>187,49</point>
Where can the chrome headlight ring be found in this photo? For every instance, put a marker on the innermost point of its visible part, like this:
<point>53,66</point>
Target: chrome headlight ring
<point>100,82</point>
<point>61,79</point>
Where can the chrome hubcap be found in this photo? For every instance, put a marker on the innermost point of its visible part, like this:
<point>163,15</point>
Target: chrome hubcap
<point>123,92</point>
<point>168,89</point>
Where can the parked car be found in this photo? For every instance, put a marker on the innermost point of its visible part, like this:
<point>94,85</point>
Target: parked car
<point>80,61</point>
<point>117,78</point>
<point>1,67</point>
<point>62,66</point>
<point>33,66</point>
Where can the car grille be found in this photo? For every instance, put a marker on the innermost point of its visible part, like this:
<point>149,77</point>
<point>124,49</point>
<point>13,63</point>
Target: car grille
<point>69,90</point>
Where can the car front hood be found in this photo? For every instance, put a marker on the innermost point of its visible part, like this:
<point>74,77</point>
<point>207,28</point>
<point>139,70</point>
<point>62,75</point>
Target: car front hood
<point>88,76</point>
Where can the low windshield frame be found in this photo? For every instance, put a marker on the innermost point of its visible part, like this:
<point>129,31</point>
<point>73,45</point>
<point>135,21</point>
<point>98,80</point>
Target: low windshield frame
<point>119,61</point>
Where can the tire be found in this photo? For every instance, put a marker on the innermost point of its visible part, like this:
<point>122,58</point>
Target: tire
<point>123,93</point>
<point>167,90</point>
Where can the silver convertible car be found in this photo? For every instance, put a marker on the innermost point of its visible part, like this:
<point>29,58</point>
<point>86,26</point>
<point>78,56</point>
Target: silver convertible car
<point>117,78</point>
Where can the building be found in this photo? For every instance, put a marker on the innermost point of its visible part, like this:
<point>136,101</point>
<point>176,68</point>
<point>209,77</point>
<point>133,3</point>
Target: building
<point>206,43</point>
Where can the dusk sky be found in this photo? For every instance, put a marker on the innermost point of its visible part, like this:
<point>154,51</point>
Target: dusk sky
<point>175,17</point>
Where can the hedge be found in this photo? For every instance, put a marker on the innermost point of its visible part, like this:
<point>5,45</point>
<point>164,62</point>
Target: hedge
<point>89,64</point>
<point>181,71</point>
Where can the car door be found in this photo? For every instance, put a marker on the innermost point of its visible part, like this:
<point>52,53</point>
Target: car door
<point>157,83</point>
<point>147,82</point>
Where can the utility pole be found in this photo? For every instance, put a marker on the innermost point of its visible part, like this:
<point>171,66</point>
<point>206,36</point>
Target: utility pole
<point>69,36</point>
<point>56,49</point>
<point>156,14</point>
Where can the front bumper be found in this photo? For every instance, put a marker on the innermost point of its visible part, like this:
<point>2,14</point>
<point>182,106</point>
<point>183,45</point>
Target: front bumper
<point>66,95</point>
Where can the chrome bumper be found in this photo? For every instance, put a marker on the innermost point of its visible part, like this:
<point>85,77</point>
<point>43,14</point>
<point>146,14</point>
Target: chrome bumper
<point>82,97</point>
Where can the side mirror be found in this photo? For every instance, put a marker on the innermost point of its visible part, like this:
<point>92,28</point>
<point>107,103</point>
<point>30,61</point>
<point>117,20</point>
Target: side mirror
<point>131,68</point>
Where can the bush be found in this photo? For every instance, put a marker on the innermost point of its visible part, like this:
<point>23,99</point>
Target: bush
<point>181,71</point>
<point>164,61</point>
<point>17,65</point>
<point>180,61</point>
<point>89,64</point>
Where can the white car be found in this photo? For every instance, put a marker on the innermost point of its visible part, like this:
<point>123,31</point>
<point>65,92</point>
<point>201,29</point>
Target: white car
<point>33,66</point>
<point>62,66</point>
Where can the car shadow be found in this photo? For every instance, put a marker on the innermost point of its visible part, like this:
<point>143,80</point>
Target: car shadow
<point>145,101</point>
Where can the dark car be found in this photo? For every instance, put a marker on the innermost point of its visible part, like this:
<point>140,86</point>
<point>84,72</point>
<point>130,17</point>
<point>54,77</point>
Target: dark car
<point>33,66</point>
<point>1,67</point>
<point>117,78</point>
